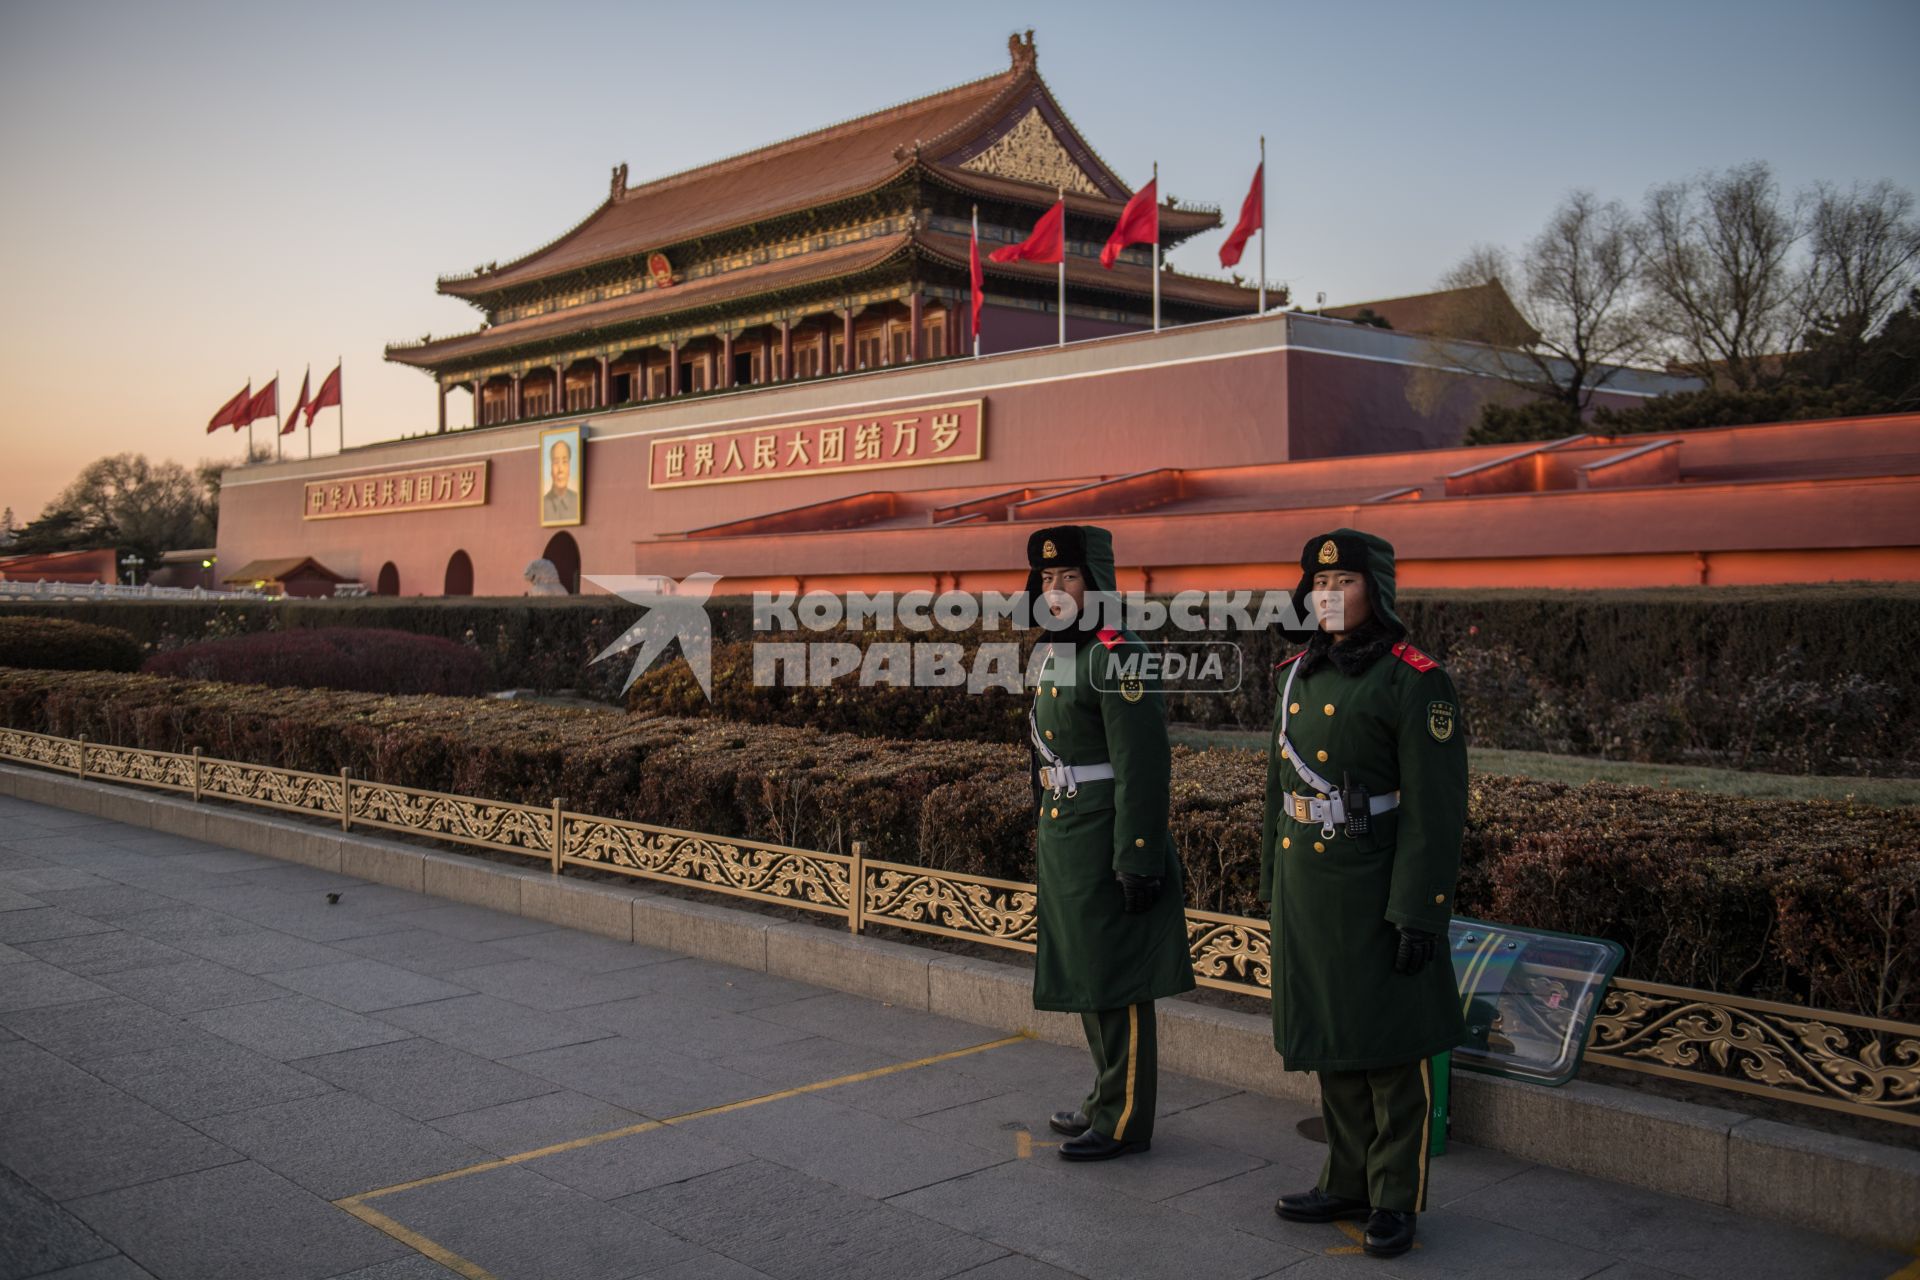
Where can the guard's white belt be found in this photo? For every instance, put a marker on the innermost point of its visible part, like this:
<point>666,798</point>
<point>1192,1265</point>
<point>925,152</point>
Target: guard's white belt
<point>1333,811</point>
<point>1068,777</point>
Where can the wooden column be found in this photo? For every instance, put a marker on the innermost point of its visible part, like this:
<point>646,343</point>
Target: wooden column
<point>915,308</point>
<point>673,368</point>
<point>786,351</point>
<point>479,400</point>
<point>443,406</point>
<point>559,389</point>
<point>606,383</point>
<point>726,361</point>
<point>514,402</point>
<point>846,340</point>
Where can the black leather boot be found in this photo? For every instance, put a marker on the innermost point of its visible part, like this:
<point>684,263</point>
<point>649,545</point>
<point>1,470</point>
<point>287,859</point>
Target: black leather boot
<point>1316,1205</point>
<point>1070,1123</point>
<point>1094,1145</point>
<point>1389,1233</point>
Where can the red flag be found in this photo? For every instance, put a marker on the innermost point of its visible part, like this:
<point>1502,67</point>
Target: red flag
<point>264,405</point>
<point>1250,220</point>
<point>328,395</point>
<point>299,406</point>
<point>232,409</point>
<point>1139,223</point>
<point>1047,242</point>
<point>974,273</point>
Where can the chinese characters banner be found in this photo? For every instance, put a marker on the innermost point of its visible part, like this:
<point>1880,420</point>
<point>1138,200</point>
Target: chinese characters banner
<point>421,489</point>
<point>908,437</point>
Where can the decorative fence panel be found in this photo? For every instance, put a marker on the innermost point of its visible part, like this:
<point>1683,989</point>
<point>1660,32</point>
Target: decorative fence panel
<point>1863,1066</point>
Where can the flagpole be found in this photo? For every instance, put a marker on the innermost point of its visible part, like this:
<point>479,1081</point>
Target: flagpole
<point>306,381</point>
<point>276,415</point>
<point>340,405</point>
<point>1263,224</point>
<point>976,258</point>
<point>1063,266</point>
<point>1156,249</point>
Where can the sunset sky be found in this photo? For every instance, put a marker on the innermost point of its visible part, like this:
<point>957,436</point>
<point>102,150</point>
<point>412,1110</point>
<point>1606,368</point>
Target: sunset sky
<point>200,194</point>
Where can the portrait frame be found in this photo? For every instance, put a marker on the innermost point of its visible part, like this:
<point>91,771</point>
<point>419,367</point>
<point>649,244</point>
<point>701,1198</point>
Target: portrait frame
<point>573,437</point>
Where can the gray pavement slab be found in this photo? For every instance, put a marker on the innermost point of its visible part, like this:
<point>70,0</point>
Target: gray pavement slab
<point>1080,1231</point>
<point>257,950</point>
<point>34,923</point>
<point>97,1028</point>
<point>293,1026</point>
<point>424,1079</point>
<point>538,984</point>
<point>94,953</point>
<point>1699,1241</point>
<point>469,923</point>
<point>116,1268</point>
<point>900,1033</point>
<point>32,875</point>
<point>414,1268</point>
<point>639,1162</point>
<point>13,900</point>
<point>338,1144</point>
<point>34,983</point>
<point>188,985</point>
<point>514,1222</point>
<point>83,1145</point>
<point>238,1222</point>
<point>107,901</point>
<point>529,1124</point>
<point>207,1076</point>
<point>792,1226</point>
<point>653,1081</point>
<point>365,986</point>
<point>490,1027</point>
<point>38,1236</point>
<point>182,920</point>
<point>585,952</point>
<point>688,1028</point>
<point>424,951</point>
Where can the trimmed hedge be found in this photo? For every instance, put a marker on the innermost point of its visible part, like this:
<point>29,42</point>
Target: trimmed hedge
<point>1800,901</point>
<point>365,659</point>
<point>1804,678</point>
<point>57,644</point>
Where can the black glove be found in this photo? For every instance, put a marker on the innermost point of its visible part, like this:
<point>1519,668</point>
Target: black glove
<point>1416,949</point>
<point>1141,891</point>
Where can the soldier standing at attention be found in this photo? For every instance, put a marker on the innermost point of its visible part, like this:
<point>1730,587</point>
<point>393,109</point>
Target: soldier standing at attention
<point>1366,803</point>
<point>1111,910</point>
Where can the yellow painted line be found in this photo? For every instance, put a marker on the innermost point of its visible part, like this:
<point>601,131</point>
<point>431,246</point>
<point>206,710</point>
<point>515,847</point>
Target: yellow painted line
<point>1909,1272</point>
<point>1355,1234</point>
<point>415,1241</point>
<point>1351,1232</point>
<point>1024,1145</point>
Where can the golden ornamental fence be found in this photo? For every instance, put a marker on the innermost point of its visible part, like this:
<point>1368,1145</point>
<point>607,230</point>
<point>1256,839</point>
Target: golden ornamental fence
<point>1843,1062</point>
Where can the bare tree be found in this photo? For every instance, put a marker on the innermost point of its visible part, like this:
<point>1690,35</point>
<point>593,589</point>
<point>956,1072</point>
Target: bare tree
<point>1864,245</point>
<point>1560,322</point>
<point>1717,265</point>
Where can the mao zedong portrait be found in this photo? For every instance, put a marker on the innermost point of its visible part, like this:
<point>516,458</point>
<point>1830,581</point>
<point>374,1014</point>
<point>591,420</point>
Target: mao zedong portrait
<point>560,487</point>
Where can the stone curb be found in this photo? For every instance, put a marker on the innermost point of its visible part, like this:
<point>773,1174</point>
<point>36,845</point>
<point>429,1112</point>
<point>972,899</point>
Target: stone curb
<point>1862,1190</point>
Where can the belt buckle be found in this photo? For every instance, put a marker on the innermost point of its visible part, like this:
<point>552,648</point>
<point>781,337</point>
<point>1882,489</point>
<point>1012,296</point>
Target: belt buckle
<point>1300,807</point>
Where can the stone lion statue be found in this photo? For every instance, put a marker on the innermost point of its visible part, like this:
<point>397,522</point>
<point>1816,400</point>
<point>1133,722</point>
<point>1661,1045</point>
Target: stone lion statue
<point>543,579</point>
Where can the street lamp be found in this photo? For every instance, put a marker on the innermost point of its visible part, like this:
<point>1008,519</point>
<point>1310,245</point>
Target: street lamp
<point>131,563</point>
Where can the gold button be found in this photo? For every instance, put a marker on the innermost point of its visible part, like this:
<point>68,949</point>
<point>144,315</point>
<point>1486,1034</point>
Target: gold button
<point>1321,756</point>
<point>1284,755</point>
<point>1294,710</point>
<point>1286,842</point>
<point>1139,843</point>
<point>1053,813</point>
<point>1053,693</point>
<point>1049,735</point>
<point>1328,708</point>
<point>1321,794</point>
<point>1439,898</point>
<point>1318,847</point>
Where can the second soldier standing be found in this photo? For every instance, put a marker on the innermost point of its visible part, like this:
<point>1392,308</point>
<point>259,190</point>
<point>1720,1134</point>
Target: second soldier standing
<point>1111,914</point>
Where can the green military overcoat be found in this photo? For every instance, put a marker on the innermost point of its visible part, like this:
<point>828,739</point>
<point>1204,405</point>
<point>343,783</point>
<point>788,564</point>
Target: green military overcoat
<point>1092,955</point>
<point>1338,1005</point>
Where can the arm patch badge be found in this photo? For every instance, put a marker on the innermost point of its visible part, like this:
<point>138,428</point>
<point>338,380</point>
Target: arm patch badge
<point>1132,690</point>
<point>1440,720</point>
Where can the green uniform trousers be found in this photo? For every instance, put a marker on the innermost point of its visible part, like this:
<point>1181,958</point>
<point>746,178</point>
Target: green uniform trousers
<point>1126,1067</point>
<point>1378,1124</point>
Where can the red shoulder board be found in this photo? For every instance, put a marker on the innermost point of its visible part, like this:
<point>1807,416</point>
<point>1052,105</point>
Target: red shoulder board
<point>1413,657</point>
<point>1284,661</point>
<point>1109,637</point>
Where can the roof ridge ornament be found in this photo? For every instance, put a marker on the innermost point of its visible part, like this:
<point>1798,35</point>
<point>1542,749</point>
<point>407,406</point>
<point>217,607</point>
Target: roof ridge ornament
<point>1021,52</point>
<point>618,188</point>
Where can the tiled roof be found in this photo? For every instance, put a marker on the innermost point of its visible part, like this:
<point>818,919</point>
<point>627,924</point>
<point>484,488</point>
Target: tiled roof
<point>1479,313</point>
<point>764,277</point>
<point>277,570</point>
